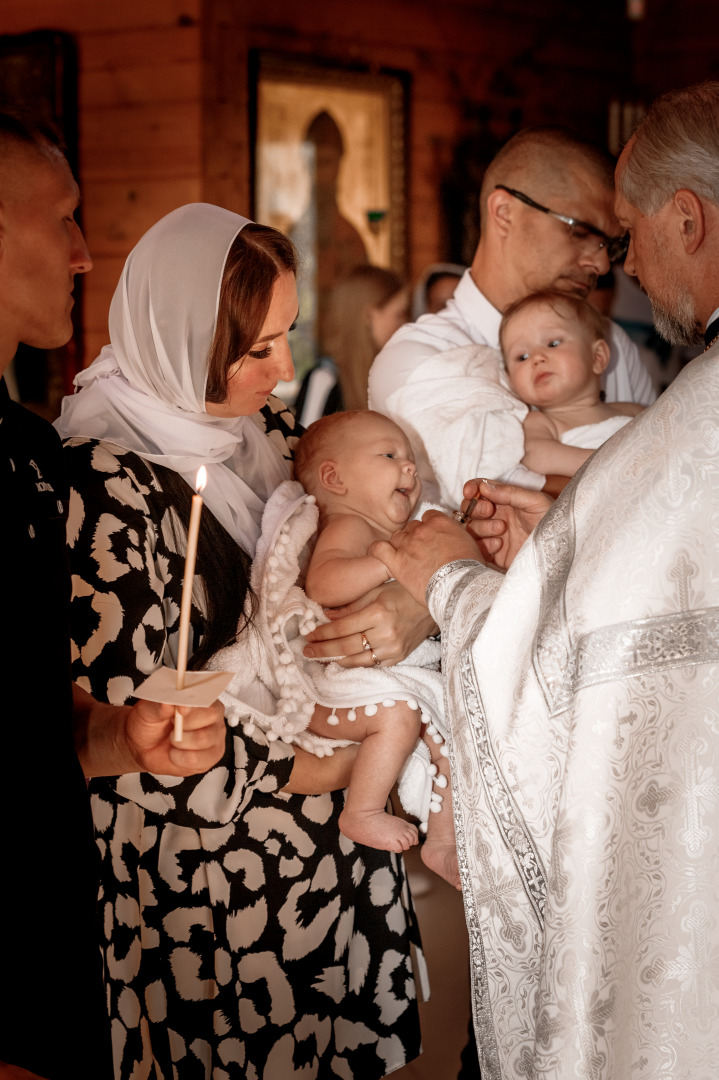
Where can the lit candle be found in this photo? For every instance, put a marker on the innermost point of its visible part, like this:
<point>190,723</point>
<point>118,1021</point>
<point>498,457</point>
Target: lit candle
<point>192,535</point>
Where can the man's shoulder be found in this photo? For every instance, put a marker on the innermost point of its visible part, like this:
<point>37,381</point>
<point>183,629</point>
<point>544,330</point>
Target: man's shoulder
<point>447,329</point>
<point>21,426</point>
<point>453,327</point>
<point>30,448</point>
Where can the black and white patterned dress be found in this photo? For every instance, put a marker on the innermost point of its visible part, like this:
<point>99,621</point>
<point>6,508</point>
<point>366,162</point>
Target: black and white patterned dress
<point>245,936</point>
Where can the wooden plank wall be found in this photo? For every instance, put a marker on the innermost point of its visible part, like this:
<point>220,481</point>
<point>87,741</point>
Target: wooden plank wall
<point>675,45</point>
<point>557,62</point>
<point>163,95</point>
<point>139,125</point>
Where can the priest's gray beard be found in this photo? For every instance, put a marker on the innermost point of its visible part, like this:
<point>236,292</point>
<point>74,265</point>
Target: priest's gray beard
<point>678,326</point>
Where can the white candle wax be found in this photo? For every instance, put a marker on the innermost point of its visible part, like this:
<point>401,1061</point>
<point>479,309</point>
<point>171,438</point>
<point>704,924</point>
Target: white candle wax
<point>187,582</point>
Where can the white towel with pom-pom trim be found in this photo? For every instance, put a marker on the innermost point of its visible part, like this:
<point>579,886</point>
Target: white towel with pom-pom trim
<point>275,687</point>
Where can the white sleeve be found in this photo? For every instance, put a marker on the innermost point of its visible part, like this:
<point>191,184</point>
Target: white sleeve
<point>390,370</point>
<point>626,378</point>
<point>405,350</point>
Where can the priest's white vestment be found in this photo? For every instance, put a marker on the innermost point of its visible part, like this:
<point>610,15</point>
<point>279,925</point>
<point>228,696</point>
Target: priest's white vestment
<point>583,706</point>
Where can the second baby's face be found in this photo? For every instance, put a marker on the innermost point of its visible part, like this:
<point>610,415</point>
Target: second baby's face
<point>377,466</point>
<point>550,357</point>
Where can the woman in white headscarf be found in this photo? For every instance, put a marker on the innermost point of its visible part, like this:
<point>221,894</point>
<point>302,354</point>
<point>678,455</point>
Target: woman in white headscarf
<point>244,936</point>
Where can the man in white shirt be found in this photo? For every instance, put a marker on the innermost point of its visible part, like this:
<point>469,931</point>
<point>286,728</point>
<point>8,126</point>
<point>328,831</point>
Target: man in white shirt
<point>547,222</point>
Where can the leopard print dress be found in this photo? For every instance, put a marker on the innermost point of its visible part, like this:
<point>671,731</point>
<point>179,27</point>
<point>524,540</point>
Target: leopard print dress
<point>245,937</point>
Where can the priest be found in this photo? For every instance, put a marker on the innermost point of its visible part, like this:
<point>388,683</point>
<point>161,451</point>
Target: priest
<point>583,689</point>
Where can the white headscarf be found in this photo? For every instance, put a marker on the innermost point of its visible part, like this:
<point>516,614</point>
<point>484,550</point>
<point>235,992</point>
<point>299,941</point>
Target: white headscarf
<point>145,391</point>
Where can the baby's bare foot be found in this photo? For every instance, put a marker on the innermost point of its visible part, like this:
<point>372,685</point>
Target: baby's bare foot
<point>442,859</point>
<point>378,830</point>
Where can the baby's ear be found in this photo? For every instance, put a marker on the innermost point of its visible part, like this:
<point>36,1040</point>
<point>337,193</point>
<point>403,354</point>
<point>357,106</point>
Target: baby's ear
<point>601,356</point>
<point>330,479</point>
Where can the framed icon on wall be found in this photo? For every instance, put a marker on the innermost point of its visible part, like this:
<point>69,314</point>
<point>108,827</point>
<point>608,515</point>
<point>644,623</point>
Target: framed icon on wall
<point>329,171</point>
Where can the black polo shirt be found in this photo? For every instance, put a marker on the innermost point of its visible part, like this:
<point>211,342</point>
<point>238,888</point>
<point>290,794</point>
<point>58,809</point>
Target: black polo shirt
<point>53,1019</point>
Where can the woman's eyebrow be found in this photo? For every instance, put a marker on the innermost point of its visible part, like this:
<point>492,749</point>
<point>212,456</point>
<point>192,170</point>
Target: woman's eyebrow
<point>270,337</point>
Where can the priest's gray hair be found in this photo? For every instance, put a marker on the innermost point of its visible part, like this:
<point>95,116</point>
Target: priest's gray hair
<point>676,145</point>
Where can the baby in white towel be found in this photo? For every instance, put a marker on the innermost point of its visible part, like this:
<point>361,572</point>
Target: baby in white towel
<point>555,351</point>
<point>360,468</point>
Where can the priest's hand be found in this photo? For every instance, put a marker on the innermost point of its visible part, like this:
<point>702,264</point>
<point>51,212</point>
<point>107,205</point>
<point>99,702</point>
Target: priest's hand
<point>413,554</point>
<point>503,518</point>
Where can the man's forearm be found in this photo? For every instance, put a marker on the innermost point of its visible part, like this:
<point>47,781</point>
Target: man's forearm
<point>315,776</point>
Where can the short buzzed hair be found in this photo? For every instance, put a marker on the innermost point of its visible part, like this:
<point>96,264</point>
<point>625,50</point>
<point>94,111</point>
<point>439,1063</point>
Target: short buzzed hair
<point>676,145</point>
<point>18,131</point>
<point>542,158</point>
<point>317,445</point>
<point>566,306</point>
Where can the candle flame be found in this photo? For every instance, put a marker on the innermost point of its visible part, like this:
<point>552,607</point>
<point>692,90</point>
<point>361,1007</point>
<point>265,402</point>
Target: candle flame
<point>201,479</point>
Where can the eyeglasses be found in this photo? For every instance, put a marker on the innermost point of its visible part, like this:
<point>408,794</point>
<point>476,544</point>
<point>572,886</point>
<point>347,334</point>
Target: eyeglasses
<point>615,246</point>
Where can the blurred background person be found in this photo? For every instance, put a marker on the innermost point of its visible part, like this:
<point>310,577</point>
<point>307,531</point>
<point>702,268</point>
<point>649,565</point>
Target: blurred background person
<point>435,286</point>
<point>363,311</point>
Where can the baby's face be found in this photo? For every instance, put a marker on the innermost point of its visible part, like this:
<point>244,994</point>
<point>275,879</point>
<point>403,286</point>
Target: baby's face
<point>549,356</point>
<point>377,467</point>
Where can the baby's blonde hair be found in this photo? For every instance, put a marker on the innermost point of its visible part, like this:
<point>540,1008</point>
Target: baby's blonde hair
<point>565,306</point>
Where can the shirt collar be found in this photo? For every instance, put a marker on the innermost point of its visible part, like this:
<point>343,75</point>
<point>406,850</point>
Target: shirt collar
<point>477,310</point>
<point>712,331</point>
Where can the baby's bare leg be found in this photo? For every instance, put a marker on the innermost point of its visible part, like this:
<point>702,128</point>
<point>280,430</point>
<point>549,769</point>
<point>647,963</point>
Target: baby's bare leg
<point>387,736</point>
<point>439,851</point>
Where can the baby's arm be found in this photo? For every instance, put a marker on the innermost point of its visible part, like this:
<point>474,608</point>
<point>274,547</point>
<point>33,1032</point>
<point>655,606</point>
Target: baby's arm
<point>544,453</point>
<point>340,570</point>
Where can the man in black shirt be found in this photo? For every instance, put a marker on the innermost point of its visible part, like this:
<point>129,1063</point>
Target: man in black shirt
<point>53,1023</point>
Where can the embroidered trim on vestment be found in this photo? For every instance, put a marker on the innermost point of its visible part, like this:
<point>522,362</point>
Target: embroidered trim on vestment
<point>645,646</point>
<point>481,1002</point>
<point>554,541</point>
<point>513,830</point>
<point>438,576</point>
<point>501,804</point>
